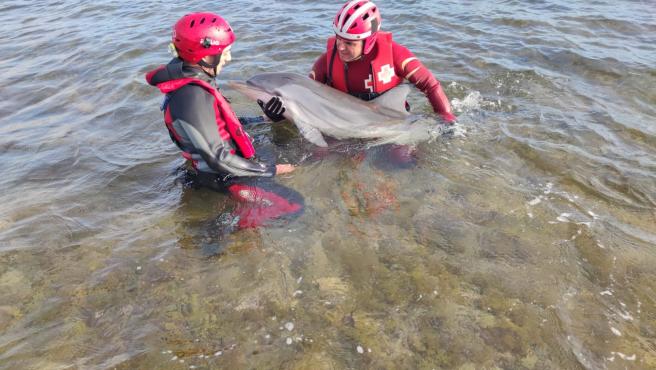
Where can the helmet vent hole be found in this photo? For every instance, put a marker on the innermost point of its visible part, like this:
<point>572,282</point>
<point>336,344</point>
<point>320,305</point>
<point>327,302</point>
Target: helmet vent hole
<point>366,16</point>
<point>192,24</point>
<point>202,21</point>
<point>213,20</point>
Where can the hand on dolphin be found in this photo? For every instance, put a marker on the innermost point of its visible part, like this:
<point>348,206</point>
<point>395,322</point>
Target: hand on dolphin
<point>273,108</point>
<point>282,169</point>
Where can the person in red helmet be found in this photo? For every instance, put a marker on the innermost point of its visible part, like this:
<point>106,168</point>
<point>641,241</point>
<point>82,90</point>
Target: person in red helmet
<point>200,121</point>
<point>365,62</point>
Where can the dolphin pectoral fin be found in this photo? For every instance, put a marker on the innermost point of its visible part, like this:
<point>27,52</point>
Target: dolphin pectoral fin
<point>394,99</point>
<point>311,134</point>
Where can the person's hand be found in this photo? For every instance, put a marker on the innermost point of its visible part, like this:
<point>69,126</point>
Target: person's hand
<point>282,169</point>
<point>273,109</point>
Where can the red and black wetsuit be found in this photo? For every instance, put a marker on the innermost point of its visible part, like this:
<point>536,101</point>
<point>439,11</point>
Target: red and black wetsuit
<point>197,125</point>
<point>202,124</point>
<point>384,68</point>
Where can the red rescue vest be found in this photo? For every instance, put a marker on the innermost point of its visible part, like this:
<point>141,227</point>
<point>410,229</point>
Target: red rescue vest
<point>382,76</point>
<point>226,120</point>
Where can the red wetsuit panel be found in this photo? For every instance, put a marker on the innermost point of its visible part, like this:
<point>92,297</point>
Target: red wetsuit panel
<point>258,206</point>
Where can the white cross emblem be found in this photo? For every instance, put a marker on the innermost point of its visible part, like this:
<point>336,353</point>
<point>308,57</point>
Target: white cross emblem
<point>369,83</point>
<point>386,73</point>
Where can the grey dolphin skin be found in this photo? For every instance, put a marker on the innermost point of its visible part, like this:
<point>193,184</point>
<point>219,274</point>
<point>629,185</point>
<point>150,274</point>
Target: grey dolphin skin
<point>316,108</point>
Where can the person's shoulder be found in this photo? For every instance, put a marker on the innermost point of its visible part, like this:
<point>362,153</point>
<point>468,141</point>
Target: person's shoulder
<point>191,91</point>
<point>190,98</point>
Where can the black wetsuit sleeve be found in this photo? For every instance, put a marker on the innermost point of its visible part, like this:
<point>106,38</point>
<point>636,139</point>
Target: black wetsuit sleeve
<point>248,121</point>
<point>192,109</point>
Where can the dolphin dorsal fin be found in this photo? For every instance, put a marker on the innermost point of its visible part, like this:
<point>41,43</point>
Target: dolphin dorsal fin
<point>394,99</point>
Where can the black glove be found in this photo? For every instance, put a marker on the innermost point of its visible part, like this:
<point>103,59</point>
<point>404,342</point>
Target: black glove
<point>273,109</point>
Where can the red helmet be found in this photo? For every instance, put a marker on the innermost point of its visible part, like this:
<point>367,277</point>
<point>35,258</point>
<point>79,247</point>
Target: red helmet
<point>358,20</point>
<point>198,35</point>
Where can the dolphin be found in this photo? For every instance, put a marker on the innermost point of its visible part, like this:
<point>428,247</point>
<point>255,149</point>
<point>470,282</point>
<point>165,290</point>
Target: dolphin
<point>317,109</point>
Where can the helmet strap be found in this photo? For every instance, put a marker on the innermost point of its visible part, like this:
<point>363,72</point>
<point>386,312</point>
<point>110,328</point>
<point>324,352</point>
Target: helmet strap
<point>212,66</point>
<point>375,26</point>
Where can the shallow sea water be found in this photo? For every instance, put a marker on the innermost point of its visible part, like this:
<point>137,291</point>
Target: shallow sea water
<point>527,240</point>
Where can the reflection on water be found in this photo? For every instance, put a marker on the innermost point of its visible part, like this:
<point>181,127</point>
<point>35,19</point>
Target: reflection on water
<point>523,240</point>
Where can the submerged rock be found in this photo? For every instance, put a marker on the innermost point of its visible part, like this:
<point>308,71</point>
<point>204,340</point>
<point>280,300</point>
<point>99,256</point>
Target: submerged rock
<point>333,287</point>
<point>14,286</point>
<point>348,320</point>
<point>5,224</point>
<point>7,316</point>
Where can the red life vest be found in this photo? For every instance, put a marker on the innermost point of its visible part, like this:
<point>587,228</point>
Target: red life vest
<point>382,76</point>
<point>226,120</point>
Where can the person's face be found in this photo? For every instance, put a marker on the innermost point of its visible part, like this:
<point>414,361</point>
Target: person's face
<point>226,57</point>
<point>349,50</point>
